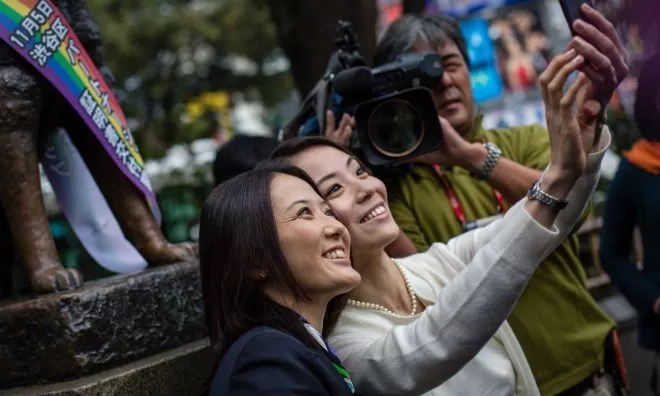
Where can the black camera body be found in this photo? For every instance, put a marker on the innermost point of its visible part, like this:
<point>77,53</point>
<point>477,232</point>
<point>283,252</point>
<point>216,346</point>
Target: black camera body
<point>394,110</point>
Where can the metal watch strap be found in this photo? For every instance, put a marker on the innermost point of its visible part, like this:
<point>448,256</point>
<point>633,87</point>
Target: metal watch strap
<point>537,194</point>
<point>494,154</point>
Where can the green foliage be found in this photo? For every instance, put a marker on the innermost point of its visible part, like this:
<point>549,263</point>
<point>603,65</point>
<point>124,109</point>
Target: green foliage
<point>164,52</point>
<point>181,207</point>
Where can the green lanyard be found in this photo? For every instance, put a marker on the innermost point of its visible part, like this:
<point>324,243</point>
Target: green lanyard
<point>336,363</point>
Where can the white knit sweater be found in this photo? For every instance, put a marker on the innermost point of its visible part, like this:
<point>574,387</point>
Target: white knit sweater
<point>461,344</point>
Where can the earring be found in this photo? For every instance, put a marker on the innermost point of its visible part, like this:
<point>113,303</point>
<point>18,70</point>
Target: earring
<point>262,275</point>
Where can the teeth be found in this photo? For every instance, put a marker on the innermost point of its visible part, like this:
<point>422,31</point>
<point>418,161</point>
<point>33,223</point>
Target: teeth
<point>377,211</point>
<point>335,254</point>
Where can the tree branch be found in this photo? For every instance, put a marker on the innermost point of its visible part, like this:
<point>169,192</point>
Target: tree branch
<point>306,31</point>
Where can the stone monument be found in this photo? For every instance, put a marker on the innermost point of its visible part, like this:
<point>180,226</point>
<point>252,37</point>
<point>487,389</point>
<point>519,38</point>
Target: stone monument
<point>97,334</point>
<point>30,109</point>
<point>90,333</point>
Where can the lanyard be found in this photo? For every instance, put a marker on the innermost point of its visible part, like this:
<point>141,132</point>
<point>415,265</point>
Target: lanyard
<point>456,205</point>
<point>336,363</point>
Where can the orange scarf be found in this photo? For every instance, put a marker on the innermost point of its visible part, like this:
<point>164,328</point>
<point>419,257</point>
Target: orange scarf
<point>645,154</point>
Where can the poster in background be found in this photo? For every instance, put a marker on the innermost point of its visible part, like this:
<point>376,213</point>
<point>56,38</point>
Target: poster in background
<point>522,49</point>
<point>513,116</point>
<point>484,76</point>
<point>463,8</point>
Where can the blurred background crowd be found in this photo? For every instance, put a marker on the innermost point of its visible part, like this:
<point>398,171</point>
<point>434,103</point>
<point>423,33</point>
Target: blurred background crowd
<point>218,69</point>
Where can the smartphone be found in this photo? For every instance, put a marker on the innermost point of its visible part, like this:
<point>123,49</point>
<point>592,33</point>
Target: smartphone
<point>571,9</point>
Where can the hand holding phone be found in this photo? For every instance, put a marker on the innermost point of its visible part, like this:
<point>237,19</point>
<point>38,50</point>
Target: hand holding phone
<point>596,39</point>
<point>571,9</point>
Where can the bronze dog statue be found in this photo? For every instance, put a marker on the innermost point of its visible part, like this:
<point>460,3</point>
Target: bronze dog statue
<point>31,109</point>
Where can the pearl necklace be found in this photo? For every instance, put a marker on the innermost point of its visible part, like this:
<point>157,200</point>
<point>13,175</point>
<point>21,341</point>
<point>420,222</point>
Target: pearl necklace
<point>378,307</point>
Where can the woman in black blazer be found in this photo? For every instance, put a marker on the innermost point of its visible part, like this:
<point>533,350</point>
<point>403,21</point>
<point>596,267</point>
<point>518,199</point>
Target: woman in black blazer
<point>275,269</point>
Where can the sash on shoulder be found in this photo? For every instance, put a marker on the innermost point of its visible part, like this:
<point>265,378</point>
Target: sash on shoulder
<point>37,30</point>
<point>86,209</point>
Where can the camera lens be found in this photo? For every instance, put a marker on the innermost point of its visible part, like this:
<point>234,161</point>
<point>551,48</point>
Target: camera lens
<point>396,128</point>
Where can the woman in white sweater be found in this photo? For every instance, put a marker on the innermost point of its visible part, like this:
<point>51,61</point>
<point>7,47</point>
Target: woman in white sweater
<point>434,323</point>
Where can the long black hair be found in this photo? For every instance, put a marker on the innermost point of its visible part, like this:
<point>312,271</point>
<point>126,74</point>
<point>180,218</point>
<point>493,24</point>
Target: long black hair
<point>238,240</point>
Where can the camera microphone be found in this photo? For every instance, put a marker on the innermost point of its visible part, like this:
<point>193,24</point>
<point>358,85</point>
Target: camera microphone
<point>353,81</point>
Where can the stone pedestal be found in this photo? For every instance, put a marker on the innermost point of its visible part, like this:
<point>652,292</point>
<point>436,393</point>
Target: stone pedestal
<point>181,371</point>
<point>103,325</point>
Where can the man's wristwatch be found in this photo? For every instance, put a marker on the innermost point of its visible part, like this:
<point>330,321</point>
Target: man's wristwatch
<point>494,154</point>
<point>537,194</point>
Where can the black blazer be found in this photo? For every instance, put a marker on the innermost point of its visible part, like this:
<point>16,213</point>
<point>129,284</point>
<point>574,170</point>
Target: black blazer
<point>267,361</point>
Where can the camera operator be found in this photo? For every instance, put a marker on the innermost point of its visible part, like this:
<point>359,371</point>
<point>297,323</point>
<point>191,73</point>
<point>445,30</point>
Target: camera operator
<point>567,338</point>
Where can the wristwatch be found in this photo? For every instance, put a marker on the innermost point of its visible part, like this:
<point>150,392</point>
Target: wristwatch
<point>494,153</point>
<point>537,194</point>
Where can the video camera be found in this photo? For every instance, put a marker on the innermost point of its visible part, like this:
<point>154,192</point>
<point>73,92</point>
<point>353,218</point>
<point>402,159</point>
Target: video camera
<point>394,110</point>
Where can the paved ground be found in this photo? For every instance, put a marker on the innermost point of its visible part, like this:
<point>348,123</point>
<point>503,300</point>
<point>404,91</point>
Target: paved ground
<point>638,361</point>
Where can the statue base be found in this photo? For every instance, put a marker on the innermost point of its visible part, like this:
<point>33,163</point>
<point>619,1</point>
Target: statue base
<point>181,371</point>
<point>103,325</point>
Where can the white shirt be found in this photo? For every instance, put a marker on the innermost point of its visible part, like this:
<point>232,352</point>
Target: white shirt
<point>461,344</point>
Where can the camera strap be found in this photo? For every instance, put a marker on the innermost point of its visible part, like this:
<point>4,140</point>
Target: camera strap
<point>456,205</point>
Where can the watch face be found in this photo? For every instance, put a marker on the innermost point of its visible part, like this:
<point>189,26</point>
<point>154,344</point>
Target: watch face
<point>533,191</point>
